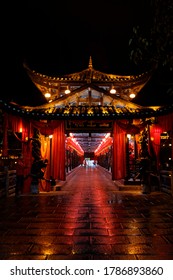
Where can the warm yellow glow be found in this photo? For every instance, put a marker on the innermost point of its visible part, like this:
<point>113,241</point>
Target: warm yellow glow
<point>129,136</point>
<point>67,91</point>
<point>113,90</point>
<point>20,130</point>
<point>50,136</point>
<point>47,95</point>
<point>90,111</point>
<point>132,95</point>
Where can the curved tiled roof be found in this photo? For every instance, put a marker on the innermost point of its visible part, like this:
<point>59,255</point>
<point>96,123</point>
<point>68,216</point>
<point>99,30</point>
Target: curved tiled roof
<point>56,85</point>
<point>88,75</point>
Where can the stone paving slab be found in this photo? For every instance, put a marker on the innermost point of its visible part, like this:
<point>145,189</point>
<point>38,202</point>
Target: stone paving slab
<point>89,218</point>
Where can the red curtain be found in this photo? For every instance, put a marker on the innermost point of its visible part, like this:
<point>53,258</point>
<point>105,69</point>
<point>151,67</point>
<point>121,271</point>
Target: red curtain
<point>155,131</point>
<point>17,124</point>
<point>55,152</point>
<point>119,153</point>
<point>166,122</point>
<point>58,152</point>
<point>5,136</point>
<point>129,127</point>
<point>46,127</point>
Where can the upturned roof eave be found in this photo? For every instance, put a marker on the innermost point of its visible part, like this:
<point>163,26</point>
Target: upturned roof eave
<point>88,75</point>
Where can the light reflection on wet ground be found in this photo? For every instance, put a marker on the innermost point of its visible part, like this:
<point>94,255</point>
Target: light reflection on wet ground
<point>88,219</point>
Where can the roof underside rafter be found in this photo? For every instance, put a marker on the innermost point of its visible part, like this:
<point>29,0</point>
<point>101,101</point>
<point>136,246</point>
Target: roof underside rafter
<point>84,112</point>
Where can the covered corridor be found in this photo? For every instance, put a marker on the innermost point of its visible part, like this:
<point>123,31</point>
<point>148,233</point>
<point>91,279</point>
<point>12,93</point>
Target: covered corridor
<point>89,218</point>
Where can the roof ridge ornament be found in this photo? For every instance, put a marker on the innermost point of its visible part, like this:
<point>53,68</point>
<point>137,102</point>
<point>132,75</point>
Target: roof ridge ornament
<point>90,64</point>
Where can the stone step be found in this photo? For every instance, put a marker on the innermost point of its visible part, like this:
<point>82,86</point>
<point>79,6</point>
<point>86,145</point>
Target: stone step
<point>130,188</point>
<point>58,186</point>
<point>122,187</point>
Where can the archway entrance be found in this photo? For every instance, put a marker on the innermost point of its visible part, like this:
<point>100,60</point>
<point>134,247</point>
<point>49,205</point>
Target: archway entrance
<point>92,140</point>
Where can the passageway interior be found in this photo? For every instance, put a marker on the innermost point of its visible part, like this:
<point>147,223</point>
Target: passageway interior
<point>89,141</point>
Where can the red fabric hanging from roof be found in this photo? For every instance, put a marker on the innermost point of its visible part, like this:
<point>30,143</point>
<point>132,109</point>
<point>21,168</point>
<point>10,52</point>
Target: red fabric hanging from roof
<point>119,153</point>
<point>58,152</point>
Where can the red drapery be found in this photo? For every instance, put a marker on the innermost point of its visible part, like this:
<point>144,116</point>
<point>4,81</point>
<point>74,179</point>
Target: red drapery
<point>119,153</point>
<point>46,127</point>
<point>155,131</point>
<point>55,152</point>
<point>164,123</point>
<point>58,152</point>
<point>5,136</point>
<point>17,124</point>
<point>129,127</point>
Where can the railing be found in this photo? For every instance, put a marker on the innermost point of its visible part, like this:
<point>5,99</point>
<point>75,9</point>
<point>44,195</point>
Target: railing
<point>166,181</point>
<point>7,183</point>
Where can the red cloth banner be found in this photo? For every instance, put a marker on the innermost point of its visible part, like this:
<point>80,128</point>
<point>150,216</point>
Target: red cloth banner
<point>119,153</point>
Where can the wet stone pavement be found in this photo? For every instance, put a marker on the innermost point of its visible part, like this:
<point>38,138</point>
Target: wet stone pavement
<point>88,219</point>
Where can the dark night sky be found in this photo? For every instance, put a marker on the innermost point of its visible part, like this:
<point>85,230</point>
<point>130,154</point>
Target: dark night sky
<point>57,38</point>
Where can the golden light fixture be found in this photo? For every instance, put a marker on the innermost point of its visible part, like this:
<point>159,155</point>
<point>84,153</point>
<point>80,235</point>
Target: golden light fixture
<point>47,94</point>
<point>132,95</point>
<point>67,91</point>
<point>112,90</point>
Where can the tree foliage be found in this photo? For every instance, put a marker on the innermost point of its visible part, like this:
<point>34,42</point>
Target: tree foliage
<point>154,48</point>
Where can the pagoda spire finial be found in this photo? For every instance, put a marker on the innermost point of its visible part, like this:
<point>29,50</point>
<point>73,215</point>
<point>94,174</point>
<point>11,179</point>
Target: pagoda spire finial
<point>90,65</point>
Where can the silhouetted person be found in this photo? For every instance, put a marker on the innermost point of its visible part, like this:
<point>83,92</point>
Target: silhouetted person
<point>19,176</point>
